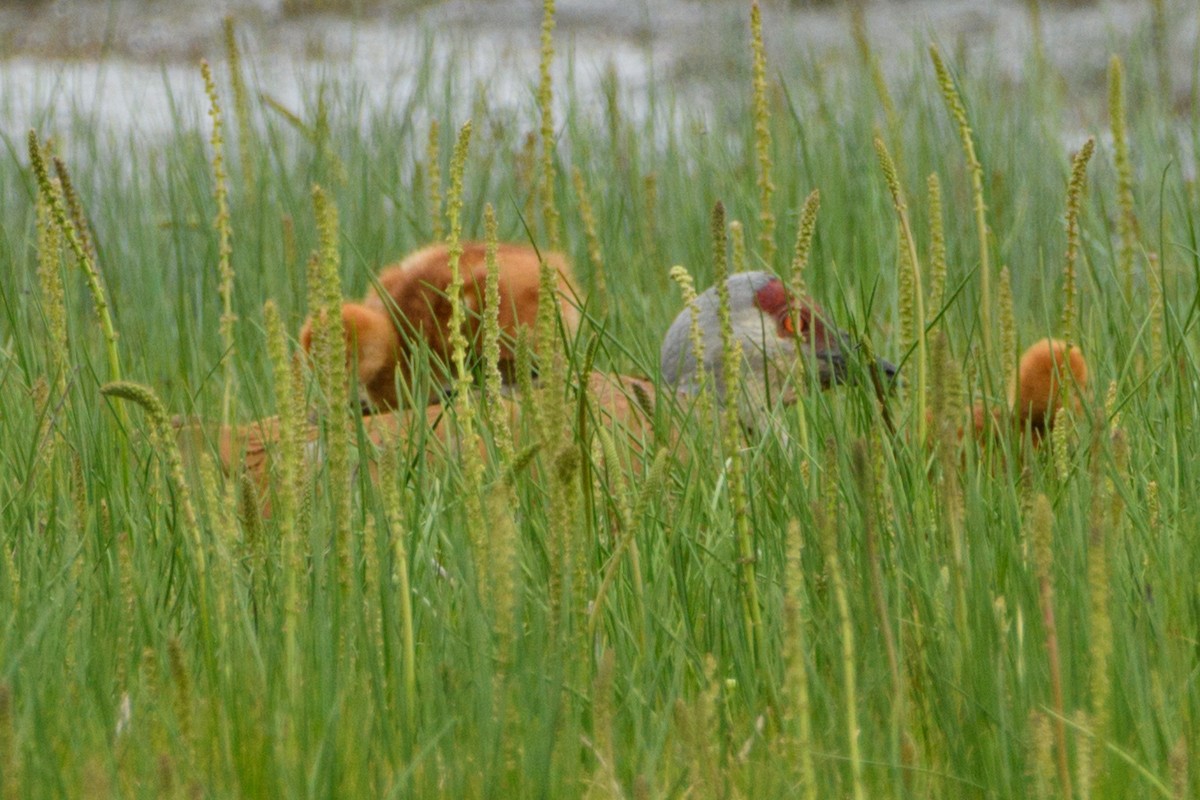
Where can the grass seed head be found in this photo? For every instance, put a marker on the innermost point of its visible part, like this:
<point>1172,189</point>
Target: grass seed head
<point>737,246</point>
<point>937,247</point>
<point>804,237</point>
<point>224,232</point>
<point>587,216</point>
<point>1127,227</point>
<point>433,176</point>
<point>241,105</point>
<point>1074,198</point>
<point>545,95</point>
<point>762,138</point>
<point>54,301</point>
<point>1008,327</point>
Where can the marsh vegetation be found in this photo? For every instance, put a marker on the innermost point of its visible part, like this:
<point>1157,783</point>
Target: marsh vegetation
<point>854,601</point>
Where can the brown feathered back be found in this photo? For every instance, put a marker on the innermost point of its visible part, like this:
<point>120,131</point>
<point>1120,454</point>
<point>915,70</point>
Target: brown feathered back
<point>409,311</point>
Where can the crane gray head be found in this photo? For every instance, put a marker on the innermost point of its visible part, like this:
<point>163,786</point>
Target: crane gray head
<point>773,329</point>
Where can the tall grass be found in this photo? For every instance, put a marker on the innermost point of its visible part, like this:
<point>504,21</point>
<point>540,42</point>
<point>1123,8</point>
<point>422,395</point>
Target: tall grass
<point>846,611</point>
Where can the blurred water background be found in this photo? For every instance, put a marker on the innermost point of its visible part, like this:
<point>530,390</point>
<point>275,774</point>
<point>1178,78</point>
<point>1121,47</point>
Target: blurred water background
<point>130,66</point>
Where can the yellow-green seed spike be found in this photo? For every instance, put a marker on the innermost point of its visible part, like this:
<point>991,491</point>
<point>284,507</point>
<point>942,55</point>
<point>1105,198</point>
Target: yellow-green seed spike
<point>1060,445</point>
<point>731,352</point>
<point>1127,221</point>
<point>399,533</point>
<point>221,520</point>
<point>91,273</point>
<point>291,459</point>
<point>804,236</point>
<point>800,257</point>
<point>906,300</point>
<point>54,304</point>
<point>551,358</point>
<point>937,248</point>
<point>329,356</point>
<point>762,138</point>
<point>595,256</point>
<point>1042,523</point>
<point>493,381</point>
<point>1099,579</point>
<point>1157,299</point>
<point>796,680</point>
<point>737,246</point>
<point>942,406</point>
<point>168,449</point>
<point>433,173</point>
<point>473,467</point>
<point>604,774</point>
<point>958,111</point>
<point>1008,329</point>
<point>1085,747</point>
<point>241,106</point>
<point>1041,755</point>
<point>224,250</point>
<point>458,341</point>
<point>649,220</point>
<point>1074,198</point>
<point>846,634</point>
<point>162,431</point>
<point>914,317</point>
<point>550,215</point>
<point>523,357</point>
<point>687,288</point>
<point>292,477</point>
<point>731,379</point>
<point>334,169</point>
<point>505,538</point>
<point>74,207</point>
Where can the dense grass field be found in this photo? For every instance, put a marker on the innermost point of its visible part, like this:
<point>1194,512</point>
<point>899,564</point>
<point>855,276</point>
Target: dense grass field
<point>858,605</point>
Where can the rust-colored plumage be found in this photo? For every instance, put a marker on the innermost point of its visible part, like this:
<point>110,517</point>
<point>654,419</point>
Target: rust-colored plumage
<point>410,310</point>
<point>1049,373</point>
<point>620,403</point>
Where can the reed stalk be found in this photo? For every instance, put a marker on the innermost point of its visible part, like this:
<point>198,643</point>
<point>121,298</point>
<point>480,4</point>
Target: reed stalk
<point>910,266</point>
<point>493,380</point>
<point>801,253</point>
<point>958,111</point>
<point>731,369</point>
<point>433,177</point>
<point>1127,227</point>
<point>222,226</point>
<point>937,249</point>
<point>762,138</point>
<point>849,668</point>
<point>75,242</point>
<point>241,107</point>
<point>587,215</point>
<point>1042,535</point>
<point>1074,198</point>
<point>329,356</point>
<point>545,97</point>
